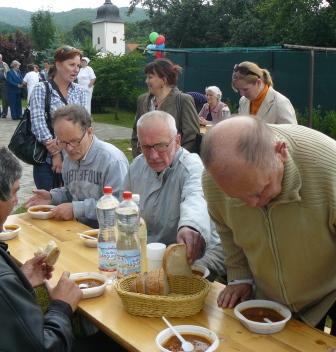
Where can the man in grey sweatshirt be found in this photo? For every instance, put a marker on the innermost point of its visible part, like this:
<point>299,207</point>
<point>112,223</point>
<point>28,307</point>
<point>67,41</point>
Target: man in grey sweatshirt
<point>89,165</point>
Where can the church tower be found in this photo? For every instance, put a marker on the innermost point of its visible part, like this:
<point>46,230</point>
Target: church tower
<point>108,30</point>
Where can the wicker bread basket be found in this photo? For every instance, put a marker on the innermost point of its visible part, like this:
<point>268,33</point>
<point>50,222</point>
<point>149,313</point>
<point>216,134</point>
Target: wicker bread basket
<point>186,297</point>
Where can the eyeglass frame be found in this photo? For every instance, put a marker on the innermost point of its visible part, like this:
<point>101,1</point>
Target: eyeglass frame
<point>66,144</point>
<point>244,70</point>
<point>147,148</point>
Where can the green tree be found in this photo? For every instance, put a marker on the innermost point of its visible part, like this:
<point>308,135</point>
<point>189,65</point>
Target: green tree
<point>42,29</point>
<point>82,30</point>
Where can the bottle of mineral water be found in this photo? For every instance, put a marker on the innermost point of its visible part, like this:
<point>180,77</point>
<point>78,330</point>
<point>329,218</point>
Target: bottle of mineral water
<point>142,234</point>
<point>128,245</point>
<point>107,250</point>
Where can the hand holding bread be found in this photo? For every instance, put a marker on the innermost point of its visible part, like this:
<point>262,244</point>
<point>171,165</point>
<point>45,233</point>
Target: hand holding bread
<point>51,251</point>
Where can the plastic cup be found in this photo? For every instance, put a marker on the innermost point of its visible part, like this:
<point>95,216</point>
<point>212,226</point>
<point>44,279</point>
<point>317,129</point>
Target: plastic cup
<point>155,252</point>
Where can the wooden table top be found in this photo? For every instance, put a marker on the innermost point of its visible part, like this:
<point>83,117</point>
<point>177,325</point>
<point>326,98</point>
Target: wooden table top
<point>138,333</point>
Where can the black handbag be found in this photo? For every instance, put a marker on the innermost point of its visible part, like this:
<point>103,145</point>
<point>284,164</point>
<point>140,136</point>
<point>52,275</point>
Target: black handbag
<point>23,143</point>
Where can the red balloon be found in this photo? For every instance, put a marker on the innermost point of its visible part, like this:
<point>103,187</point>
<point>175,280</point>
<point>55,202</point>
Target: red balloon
<point>160,40</point>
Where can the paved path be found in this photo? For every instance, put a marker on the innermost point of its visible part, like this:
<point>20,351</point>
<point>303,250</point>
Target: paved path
<point>102,130</point>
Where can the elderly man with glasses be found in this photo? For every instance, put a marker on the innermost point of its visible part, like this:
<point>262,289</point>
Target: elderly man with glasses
<point>89,165</point>
<point>168,179</point>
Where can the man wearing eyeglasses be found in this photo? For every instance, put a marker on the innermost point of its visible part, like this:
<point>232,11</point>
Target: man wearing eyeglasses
<point>89,165</point>
<point>168,179</point>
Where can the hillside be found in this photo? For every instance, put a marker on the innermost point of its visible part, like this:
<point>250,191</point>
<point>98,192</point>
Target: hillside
<point>64,20</point>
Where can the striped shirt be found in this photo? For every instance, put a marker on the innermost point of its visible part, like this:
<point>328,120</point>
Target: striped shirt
<point>76,95</point>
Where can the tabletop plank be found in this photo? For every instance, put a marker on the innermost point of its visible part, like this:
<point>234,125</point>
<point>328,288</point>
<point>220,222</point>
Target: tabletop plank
<point>137,334</point>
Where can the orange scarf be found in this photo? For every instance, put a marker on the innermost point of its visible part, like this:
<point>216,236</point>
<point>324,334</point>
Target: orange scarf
<point>255,104</point>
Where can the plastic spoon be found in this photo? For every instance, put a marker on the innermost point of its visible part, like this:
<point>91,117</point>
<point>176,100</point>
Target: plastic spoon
<point>269,321</point>
<point>87,236</point>
<point>186,346</point>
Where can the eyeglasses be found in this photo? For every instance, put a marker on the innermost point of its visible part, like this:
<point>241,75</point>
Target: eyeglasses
<point>244,70</point>
<point>72,144</point>
<point>158,147</point>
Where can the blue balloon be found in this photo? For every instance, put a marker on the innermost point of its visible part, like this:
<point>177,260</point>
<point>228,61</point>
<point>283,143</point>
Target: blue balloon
<point>151,46</point>
<point>161,46</point>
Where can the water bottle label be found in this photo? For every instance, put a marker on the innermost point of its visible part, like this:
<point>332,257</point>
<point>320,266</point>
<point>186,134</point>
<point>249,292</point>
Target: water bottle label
<point>128,262</point>
<point>107,256</point>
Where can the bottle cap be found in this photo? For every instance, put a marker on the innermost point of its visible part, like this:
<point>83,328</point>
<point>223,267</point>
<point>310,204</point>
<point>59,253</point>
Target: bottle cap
<point>107,190</point>
<point>127,195</point>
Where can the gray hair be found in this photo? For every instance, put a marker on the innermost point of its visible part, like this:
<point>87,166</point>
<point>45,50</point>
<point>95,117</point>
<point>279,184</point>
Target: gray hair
<point>10,171</point>
<point>15,63</point>
<point>160,115</point>
<point>215,90</point>
<point>254,145</point>
<point>75,114</point>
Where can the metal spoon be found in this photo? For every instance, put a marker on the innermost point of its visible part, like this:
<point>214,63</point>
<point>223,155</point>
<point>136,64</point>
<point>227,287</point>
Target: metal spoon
<point>186,346</point>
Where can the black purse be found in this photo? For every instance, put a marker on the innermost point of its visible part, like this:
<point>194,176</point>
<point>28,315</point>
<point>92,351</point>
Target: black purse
<point>23,143</point>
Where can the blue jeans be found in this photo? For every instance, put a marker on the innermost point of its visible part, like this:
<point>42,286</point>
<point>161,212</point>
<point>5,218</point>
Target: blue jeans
<point>43,176</point>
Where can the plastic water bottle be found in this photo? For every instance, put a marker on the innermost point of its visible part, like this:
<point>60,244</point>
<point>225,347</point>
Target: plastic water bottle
<point>128,246</point>
<point>226,112</point>
<point>107,250</point>
<point>142,234</point>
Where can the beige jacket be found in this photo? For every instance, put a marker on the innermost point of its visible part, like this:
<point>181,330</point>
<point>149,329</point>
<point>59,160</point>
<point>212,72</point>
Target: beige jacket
<point>275,108</point>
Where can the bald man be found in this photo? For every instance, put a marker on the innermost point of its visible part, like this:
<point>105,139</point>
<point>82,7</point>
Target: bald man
<point>271,190</point>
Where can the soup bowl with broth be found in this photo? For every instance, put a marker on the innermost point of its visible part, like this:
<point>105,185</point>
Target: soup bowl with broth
<point>91,284</point>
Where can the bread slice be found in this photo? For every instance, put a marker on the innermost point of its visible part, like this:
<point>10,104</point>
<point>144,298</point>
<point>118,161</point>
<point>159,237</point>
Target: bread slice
<point>163,283</point>
<point>141,283</point>
<point>175,261</point>
<point>51,250</point>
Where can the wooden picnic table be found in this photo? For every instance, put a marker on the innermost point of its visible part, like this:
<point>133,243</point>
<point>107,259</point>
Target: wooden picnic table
<point>138,333</point>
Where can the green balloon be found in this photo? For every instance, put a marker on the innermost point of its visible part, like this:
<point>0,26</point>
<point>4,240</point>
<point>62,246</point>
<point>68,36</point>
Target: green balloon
<point>153,36</point>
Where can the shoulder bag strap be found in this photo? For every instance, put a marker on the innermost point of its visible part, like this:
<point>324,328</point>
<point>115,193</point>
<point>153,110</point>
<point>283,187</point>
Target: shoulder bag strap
<point>55,86</point>
<point>47,103</point>
<point>179,111</point>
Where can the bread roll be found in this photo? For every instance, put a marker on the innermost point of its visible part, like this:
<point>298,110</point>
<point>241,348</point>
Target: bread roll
<point>175,261</point>
<point>152,283</point>
<point>52,252</point>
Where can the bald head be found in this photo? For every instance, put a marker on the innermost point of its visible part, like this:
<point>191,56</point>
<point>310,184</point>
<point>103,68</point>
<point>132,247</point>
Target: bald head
<point>237,141</point>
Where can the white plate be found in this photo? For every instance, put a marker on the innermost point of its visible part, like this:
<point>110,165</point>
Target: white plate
<point>35,214</point>
<point>9,232</point>
<point>88,242</point>
<point>165,334</point>
<point>263,328</point>
<point>92,291</point>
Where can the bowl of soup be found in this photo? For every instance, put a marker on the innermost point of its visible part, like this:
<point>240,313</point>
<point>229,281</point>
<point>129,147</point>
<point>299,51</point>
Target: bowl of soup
<point>200,270</point>
<point>9,232</point>
<point>262,316</point>
<point>202,338</point>
<point>41,211</point>
<point>90,242</point>
<point>91,284</point>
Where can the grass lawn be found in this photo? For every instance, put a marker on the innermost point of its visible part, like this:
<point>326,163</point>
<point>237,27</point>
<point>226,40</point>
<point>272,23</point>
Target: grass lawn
<point>120,118</point>
<point>124,145</point>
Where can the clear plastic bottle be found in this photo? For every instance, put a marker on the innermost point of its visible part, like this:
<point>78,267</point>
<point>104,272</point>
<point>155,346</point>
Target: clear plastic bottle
<point>107,250</point>
<point>142,234</point>
<point>226,112</point>
<point>128,245</point>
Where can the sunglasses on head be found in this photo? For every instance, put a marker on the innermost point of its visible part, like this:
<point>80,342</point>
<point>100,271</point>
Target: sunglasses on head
<point>244,70</point>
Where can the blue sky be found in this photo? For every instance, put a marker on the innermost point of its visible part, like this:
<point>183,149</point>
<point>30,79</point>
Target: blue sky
<point>58,5</point>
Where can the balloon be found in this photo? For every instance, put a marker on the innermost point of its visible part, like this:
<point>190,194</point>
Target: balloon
<point>153,36</point>
<point>161,46</point>
<point>160,40</point>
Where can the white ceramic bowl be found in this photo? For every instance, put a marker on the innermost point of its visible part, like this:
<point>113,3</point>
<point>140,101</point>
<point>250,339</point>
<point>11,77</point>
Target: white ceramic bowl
<point>88,242</point>
<point>263,328</point>
<point>92,291</point>
<point>201,270</point>
<point>9,232</point>
<point>35,214</point>
<point>165,334</point>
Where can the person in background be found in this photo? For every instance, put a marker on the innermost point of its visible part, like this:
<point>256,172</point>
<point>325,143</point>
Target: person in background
<point>270,190</point>
<point>86,79</point>
<point>23,325</point>
<point>214,110</point>
<point>163,95</point>
<point>89,165</point>
<point>168,179</point>
<point>3,87</point>
<point>199,99</point>
<point>258,98</point>
<point>30,79</point>
<point>63,91</point>
<point>14,86</point>
<point>44,74</point>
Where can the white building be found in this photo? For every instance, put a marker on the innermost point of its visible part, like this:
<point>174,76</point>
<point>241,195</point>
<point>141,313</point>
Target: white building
<point>108,30</point>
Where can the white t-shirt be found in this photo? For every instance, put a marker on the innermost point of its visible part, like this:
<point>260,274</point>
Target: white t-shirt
<point>84,77</point>
<point>31,78</point>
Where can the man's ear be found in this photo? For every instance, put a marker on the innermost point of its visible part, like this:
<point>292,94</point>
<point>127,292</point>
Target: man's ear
<point>281,150</point>
<point>178,139</point>
<point>90,131</point>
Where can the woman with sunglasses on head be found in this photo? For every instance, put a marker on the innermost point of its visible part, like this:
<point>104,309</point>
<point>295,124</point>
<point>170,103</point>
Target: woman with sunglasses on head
<point>163,95</point>
<point>63,91</point>
<point>258,98</point>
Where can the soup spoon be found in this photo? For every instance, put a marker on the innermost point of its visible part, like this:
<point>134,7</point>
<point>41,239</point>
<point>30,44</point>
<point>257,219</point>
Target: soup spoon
<point>83,235</point>
<point>186,346</point>
<point>269,321</point>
